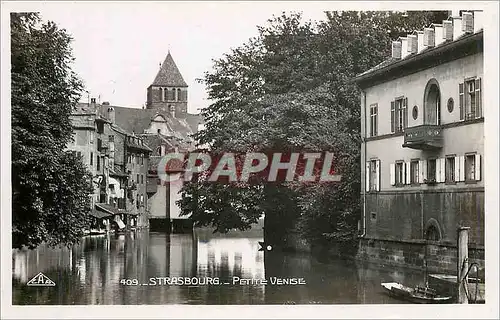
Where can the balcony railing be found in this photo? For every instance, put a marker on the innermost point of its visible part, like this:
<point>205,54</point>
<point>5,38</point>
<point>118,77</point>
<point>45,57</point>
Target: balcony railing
<point>423,137</point>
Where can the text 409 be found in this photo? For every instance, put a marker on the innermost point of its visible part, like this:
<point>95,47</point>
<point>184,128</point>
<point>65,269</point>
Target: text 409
<point>129,282</point>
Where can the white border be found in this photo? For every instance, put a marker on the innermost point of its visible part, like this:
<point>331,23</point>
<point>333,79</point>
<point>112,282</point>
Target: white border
<point>491,83</point>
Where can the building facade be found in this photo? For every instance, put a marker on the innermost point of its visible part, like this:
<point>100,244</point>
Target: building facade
<point>118,161</point>
<point>422,126</point>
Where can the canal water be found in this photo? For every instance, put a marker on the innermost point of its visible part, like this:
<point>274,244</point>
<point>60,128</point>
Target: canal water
<point>140,267</point>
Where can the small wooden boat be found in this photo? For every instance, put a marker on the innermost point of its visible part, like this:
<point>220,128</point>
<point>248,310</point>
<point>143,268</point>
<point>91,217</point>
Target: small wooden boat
<point>414,295</point>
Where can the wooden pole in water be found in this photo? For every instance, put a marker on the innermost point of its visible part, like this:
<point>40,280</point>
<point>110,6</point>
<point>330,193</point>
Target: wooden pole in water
<point>462,263</point>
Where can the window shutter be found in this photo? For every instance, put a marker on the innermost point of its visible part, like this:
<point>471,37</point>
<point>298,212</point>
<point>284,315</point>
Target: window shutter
<point>405,113</point>
<point>421,176</point>
<point>377,176</point>
<point>424,170</point>
<point>408,173</point>
<point>479,113</point>
<point>461,100</point>
<point>443,169</point>
<point>367,176</point>
<point>393,173</point>
<point>457,169</point>
<point>477,169</point>
<point>462,168</point>
<point>393,117</point>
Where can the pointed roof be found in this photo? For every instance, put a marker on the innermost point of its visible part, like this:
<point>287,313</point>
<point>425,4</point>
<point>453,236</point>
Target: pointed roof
<point>169,75</point>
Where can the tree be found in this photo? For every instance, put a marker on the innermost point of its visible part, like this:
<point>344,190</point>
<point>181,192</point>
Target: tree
<point>289,89</point>
<point>50,187</point>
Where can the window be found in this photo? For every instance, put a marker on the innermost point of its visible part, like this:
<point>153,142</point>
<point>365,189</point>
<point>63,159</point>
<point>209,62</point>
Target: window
<point>111,138</point>
<point>470,166</point>
<point>137,178</point>
<point>450,105</point>
<point>77,154</point>
<point>399,115</point>
<point>431,170</point>
<point>372,175</point>
<point>99,144</point>
<point>171,94</point>
<point>400,174</point>
<point>415,112</point>
<point>98,163</point>
<point>91,136</point>
<point>450,169</point>
<point>373,120</point>
<point>91,159</point>
<point>165,94</point>
<point>142,159</point>
<point>414,173</point>
<point>179,98</point>
<point>470,99</point>
<point>142,179</point>
<point>100,127</point>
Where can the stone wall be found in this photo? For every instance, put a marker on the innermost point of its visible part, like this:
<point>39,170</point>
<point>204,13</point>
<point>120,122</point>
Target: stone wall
<point>437,258</point>
<point>406,216</point>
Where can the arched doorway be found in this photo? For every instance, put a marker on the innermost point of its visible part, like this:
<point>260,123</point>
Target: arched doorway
<point>432,234</point>
<point>432,103</point>
<point>432,230</point>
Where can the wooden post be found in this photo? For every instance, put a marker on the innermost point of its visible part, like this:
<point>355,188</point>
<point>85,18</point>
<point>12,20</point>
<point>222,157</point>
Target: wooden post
<point>462,263</point>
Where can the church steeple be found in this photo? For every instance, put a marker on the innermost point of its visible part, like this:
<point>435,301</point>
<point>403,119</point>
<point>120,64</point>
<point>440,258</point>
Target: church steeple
<point>168,92</point>
<point>169,75</point>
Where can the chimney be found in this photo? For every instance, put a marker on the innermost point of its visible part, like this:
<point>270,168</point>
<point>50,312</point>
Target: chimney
<point>438,34</point>
<point>412,43</point>
<point>420,36</point>
<point>447,30</point>
<point>429,37</point>
<point>396,49</point>
<point>457,27</point>
<point>404,47</point>
<point>111,114</point>
<point>467,22</point>
<point>478,20</point>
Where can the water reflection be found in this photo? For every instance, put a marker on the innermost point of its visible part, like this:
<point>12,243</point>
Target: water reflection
<point>115,270</point>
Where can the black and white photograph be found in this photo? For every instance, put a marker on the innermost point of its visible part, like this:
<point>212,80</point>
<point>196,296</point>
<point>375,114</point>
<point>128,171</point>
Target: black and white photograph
<point>249,159</point>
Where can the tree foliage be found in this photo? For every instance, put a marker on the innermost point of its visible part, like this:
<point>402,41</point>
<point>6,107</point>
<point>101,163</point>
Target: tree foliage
<point>50,187</point>
<point>289,89</point>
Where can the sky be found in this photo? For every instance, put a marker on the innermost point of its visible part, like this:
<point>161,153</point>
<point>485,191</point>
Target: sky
<point>118,46</point>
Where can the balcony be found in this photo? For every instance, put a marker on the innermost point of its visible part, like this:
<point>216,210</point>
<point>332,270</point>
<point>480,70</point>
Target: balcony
<point>424,137</point>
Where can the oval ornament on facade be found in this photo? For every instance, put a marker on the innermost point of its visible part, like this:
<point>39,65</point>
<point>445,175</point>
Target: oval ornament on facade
<point>415,112</point>
<point>450,105</point>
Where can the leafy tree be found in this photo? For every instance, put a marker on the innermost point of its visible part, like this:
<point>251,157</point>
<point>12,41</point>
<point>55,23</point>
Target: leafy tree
<point>289,89</point>
<point>50,187</point>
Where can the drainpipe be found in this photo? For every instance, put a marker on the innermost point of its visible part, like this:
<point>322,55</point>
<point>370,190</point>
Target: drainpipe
<point>363,158</point>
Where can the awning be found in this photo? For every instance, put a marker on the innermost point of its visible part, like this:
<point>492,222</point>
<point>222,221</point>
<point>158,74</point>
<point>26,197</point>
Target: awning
<point>120,223</point>
<point>99,214</point>
<point>108,208</point>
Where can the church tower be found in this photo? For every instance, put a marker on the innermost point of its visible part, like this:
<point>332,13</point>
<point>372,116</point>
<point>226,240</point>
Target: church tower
<point>168,92</point>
